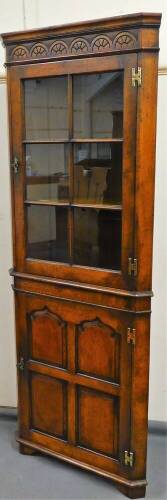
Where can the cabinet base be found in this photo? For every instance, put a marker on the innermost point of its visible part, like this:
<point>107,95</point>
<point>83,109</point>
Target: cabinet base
<point>131,489</point>
<point>26,450</point>
<point>132,492</point>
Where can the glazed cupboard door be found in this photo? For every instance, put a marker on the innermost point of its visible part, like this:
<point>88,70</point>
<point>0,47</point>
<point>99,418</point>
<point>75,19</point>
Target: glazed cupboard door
<point>74,132</point>
<point>74,372</point>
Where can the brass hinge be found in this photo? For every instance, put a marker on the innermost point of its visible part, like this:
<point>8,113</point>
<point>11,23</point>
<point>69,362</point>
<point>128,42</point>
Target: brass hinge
<point>132,267</point>
<point>129,458</point>
<point>131,336</point>
<point>136,77</point>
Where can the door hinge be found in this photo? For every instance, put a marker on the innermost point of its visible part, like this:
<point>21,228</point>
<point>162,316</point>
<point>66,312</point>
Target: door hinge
<point>15,165</point>
<point>136,77</point>
<point>129,458</point>
<point>131,336</point>
<point>132,267</point>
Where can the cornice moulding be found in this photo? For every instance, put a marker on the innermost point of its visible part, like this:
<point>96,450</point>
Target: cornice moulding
<point>148,19</point>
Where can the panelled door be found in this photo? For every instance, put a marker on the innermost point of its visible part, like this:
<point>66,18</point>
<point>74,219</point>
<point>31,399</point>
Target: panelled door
<point>74,130</point>
<point>74,371</point>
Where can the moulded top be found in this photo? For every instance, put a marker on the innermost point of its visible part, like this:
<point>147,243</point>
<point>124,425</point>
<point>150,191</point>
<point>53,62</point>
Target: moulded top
<point>118,22</point>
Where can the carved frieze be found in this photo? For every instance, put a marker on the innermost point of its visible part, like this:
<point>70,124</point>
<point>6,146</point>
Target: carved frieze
<point>73,46</point>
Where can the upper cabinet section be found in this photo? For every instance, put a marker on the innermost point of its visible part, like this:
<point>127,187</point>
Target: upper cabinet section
<point>83,115</point>
<point>74,202</point>
<point>102,36</point>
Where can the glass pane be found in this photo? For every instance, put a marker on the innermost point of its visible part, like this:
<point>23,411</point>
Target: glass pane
<point>98,105</point>
<point>98,173</point>
<point>97,238</point>
<point>47,233</point>
<point>46,108</point>
<point>47,172</point>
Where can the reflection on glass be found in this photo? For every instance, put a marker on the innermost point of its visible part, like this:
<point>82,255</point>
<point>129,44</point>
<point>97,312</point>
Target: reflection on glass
<point>98,173</point>
<point>46,108</point>
<point>47,172</point>
<point>98,105</point>
<point>97,238</point>
<point>47,233</point>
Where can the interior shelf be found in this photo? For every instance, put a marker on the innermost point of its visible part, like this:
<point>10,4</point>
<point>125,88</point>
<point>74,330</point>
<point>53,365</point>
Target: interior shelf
<point>97,206</point>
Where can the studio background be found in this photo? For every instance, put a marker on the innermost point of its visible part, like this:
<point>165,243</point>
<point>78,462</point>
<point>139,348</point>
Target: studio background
<point>27,14</point>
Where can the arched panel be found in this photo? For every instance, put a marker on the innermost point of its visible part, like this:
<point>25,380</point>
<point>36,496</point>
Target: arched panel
<point>47,337</point>
<point>98,350</point>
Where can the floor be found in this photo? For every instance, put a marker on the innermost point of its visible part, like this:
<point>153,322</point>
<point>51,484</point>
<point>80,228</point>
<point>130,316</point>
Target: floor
<point>44,478</point>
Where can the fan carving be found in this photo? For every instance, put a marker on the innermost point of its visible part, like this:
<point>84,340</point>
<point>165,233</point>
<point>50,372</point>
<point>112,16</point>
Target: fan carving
<point>101,43</point>
<point>20,52</point>
<point>123,40</point>
<point>39,50</point>
<point>58,49</point>
<point>79,45</point>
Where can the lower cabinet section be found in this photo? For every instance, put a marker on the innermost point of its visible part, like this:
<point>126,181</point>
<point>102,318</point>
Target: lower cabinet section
<point>75,384</point>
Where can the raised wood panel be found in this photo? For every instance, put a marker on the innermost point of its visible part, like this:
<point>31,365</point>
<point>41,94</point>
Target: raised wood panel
<point>47,337</point>
<point>98,421</point>
<point>48,405</point>
<point>98,350</point>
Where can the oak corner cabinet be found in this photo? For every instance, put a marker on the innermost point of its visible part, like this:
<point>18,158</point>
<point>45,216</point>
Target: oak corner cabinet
<point>82,108</point>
